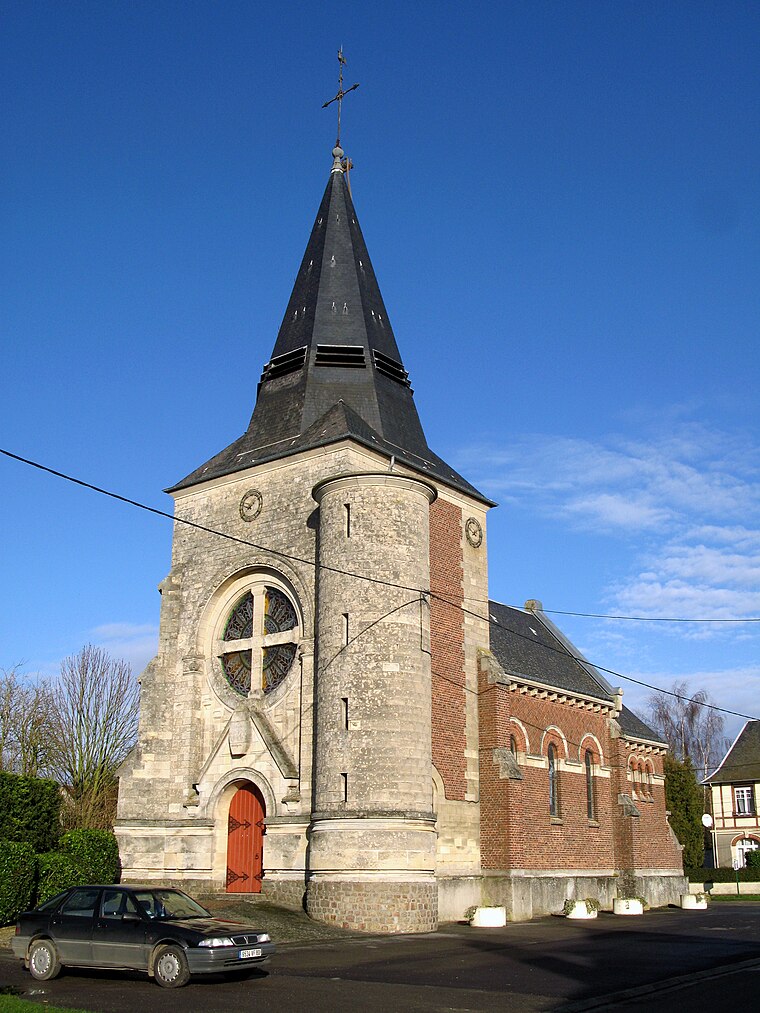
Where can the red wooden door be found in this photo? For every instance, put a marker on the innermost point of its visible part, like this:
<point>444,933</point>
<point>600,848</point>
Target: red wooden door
<point>245,845</point>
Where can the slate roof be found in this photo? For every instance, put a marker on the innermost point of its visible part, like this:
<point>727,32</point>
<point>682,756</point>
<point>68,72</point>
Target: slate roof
<point>335,370</point>
<point>635,728</point>
<point>742,762</point>
<point>527,644</point>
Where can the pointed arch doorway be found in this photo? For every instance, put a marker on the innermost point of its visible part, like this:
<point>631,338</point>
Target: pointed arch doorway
<point>245,840</point>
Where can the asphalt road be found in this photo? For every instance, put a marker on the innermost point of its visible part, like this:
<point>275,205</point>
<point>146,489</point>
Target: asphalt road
<point>664,960</point>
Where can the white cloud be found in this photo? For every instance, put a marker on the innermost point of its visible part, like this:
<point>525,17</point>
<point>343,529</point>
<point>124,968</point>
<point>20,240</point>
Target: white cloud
<point>611,510</point>
<point>737,685</point>
<point>688,494</point>
<point>688,475</point>
<point>134,643</point>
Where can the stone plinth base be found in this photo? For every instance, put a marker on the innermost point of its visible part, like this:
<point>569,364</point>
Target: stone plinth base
<point>374,905</point>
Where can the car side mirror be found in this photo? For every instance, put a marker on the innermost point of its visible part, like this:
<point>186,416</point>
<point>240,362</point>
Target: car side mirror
<point>128,916</point>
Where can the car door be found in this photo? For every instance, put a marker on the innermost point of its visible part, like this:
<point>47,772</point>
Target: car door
<point>119,935</point>
<point>71,925</point>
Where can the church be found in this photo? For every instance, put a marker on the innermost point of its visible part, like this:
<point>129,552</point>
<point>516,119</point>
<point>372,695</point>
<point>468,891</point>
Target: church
<point>337,716</point>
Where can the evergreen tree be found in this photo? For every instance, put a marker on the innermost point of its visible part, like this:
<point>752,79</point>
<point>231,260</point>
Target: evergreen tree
<point>683,797</point>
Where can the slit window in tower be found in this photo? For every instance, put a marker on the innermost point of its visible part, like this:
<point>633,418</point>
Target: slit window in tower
<point>344,711</point>
<point>345,629</point>
<point>348,519</point>
<point>344,787</point>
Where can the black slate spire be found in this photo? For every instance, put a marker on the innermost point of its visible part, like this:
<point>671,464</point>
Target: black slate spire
<point>335,360</point>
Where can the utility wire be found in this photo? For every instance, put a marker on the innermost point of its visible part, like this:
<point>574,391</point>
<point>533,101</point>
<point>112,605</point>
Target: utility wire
<point>348,573</point>
<point>376,580</point>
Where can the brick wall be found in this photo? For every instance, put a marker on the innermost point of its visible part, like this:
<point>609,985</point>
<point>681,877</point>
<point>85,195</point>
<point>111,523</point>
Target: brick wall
<point>517,828</point>
<point>447,647</point>
<point>645,841</point>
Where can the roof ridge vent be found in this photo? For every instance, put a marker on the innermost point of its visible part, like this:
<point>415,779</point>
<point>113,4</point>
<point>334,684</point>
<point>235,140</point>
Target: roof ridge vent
<point>345,356</point>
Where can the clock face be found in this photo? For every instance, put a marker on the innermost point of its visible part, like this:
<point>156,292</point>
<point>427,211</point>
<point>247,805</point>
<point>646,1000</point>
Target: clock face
<point>474,532</point>
<point>250,505</point>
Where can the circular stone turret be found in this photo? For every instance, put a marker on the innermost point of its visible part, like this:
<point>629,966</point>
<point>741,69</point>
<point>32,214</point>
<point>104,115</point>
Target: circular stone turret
<point>372,835</point>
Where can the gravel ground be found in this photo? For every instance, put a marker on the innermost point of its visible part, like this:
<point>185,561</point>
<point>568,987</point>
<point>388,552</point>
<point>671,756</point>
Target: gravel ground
<point>282,924</point>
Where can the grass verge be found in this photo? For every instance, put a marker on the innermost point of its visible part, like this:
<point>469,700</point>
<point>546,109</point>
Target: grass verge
<point>723,898</point>
<point>12,1004</point>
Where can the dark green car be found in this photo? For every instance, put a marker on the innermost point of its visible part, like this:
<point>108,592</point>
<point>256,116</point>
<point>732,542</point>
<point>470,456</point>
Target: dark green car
<point>140,928</point>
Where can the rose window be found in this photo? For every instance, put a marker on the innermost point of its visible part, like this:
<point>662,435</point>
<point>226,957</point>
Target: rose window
<point>259,642</point>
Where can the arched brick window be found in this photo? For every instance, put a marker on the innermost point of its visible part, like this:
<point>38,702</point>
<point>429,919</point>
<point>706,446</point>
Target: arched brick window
<point>590,797</point>
<point>553,781</point>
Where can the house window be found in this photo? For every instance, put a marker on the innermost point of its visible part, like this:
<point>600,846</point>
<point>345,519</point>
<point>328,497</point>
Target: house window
<point>259,640</point>
<point>553,786</point>
<point>743,848</point>
<point>590,806</point>
<point>744,801</point>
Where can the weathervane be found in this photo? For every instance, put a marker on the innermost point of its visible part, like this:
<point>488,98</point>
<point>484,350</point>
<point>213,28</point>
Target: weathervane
<point>341,93</point>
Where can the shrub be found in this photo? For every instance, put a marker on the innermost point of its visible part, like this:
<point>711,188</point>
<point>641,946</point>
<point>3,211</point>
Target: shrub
<point>701,875</point>
<point>17,868</point>
<point>30,811</point>
<point>684,799</point>
<point>592,904</point>
<point>753,859</point>
<point>56,872</point>
<point>95,853</point>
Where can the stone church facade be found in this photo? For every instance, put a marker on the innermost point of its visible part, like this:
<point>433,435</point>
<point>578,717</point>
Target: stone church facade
<point>337,715</point>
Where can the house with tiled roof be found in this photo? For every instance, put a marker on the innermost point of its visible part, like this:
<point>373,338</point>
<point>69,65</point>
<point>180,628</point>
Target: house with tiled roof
<point>337,715</point>
<point>735,800</point>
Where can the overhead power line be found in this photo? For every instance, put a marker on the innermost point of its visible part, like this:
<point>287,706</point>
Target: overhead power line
<point>376,580</point>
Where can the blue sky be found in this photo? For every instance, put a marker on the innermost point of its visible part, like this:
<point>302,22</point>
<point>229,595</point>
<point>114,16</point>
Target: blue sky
<point>562,207</point>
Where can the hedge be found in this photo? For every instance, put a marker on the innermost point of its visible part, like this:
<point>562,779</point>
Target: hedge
<point>752,859</point>
<point>94,852</point>
<point>748,875</point>
<point>56,872</point>
<point>17,873</point>
<point>30,811</point>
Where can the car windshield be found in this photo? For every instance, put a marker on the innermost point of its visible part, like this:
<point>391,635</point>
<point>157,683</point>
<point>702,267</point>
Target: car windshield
<point>169,904</point>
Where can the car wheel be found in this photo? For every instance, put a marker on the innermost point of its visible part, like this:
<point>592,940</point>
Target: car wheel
<point>170,967</point>
<point>43,960</point>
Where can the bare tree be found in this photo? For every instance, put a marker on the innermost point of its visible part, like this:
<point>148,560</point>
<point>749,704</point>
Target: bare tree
<point>690,725</point>
<point>24,723</point>
<point>94,708</point>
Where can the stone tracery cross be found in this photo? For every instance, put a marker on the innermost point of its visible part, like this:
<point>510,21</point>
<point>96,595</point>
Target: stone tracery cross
<point>341,94</point>
<point>259,641</point>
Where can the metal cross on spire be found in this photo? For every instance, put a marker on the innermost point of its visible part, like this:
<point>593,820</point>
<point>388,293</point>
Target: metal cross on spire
<point>341,93</point>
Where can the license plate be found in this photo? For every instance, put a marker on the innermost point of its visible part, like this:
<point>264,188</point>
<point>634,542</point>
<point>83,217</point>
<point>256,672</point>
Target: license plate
<point>247,954</point>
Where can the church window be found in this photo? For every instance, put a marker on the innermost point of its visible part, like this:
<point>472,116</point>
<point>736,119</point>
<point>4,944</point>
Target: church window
<point>259,640</point>
<point>513,745</point>
<point>590,800</point>
<point>553,786</point>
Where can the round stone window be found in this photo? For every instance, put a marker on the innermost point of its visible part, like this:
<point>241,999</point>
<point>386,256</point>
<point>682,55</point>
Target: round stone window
<point>259,641</point>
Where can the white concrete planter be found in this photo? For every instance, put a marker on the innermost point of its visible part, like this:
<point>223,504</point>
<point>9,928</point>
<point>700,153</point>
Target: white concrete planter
<point>489,917</point>
<point>693,902</point>
<point>627,906</point>
<point>579,910</point>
